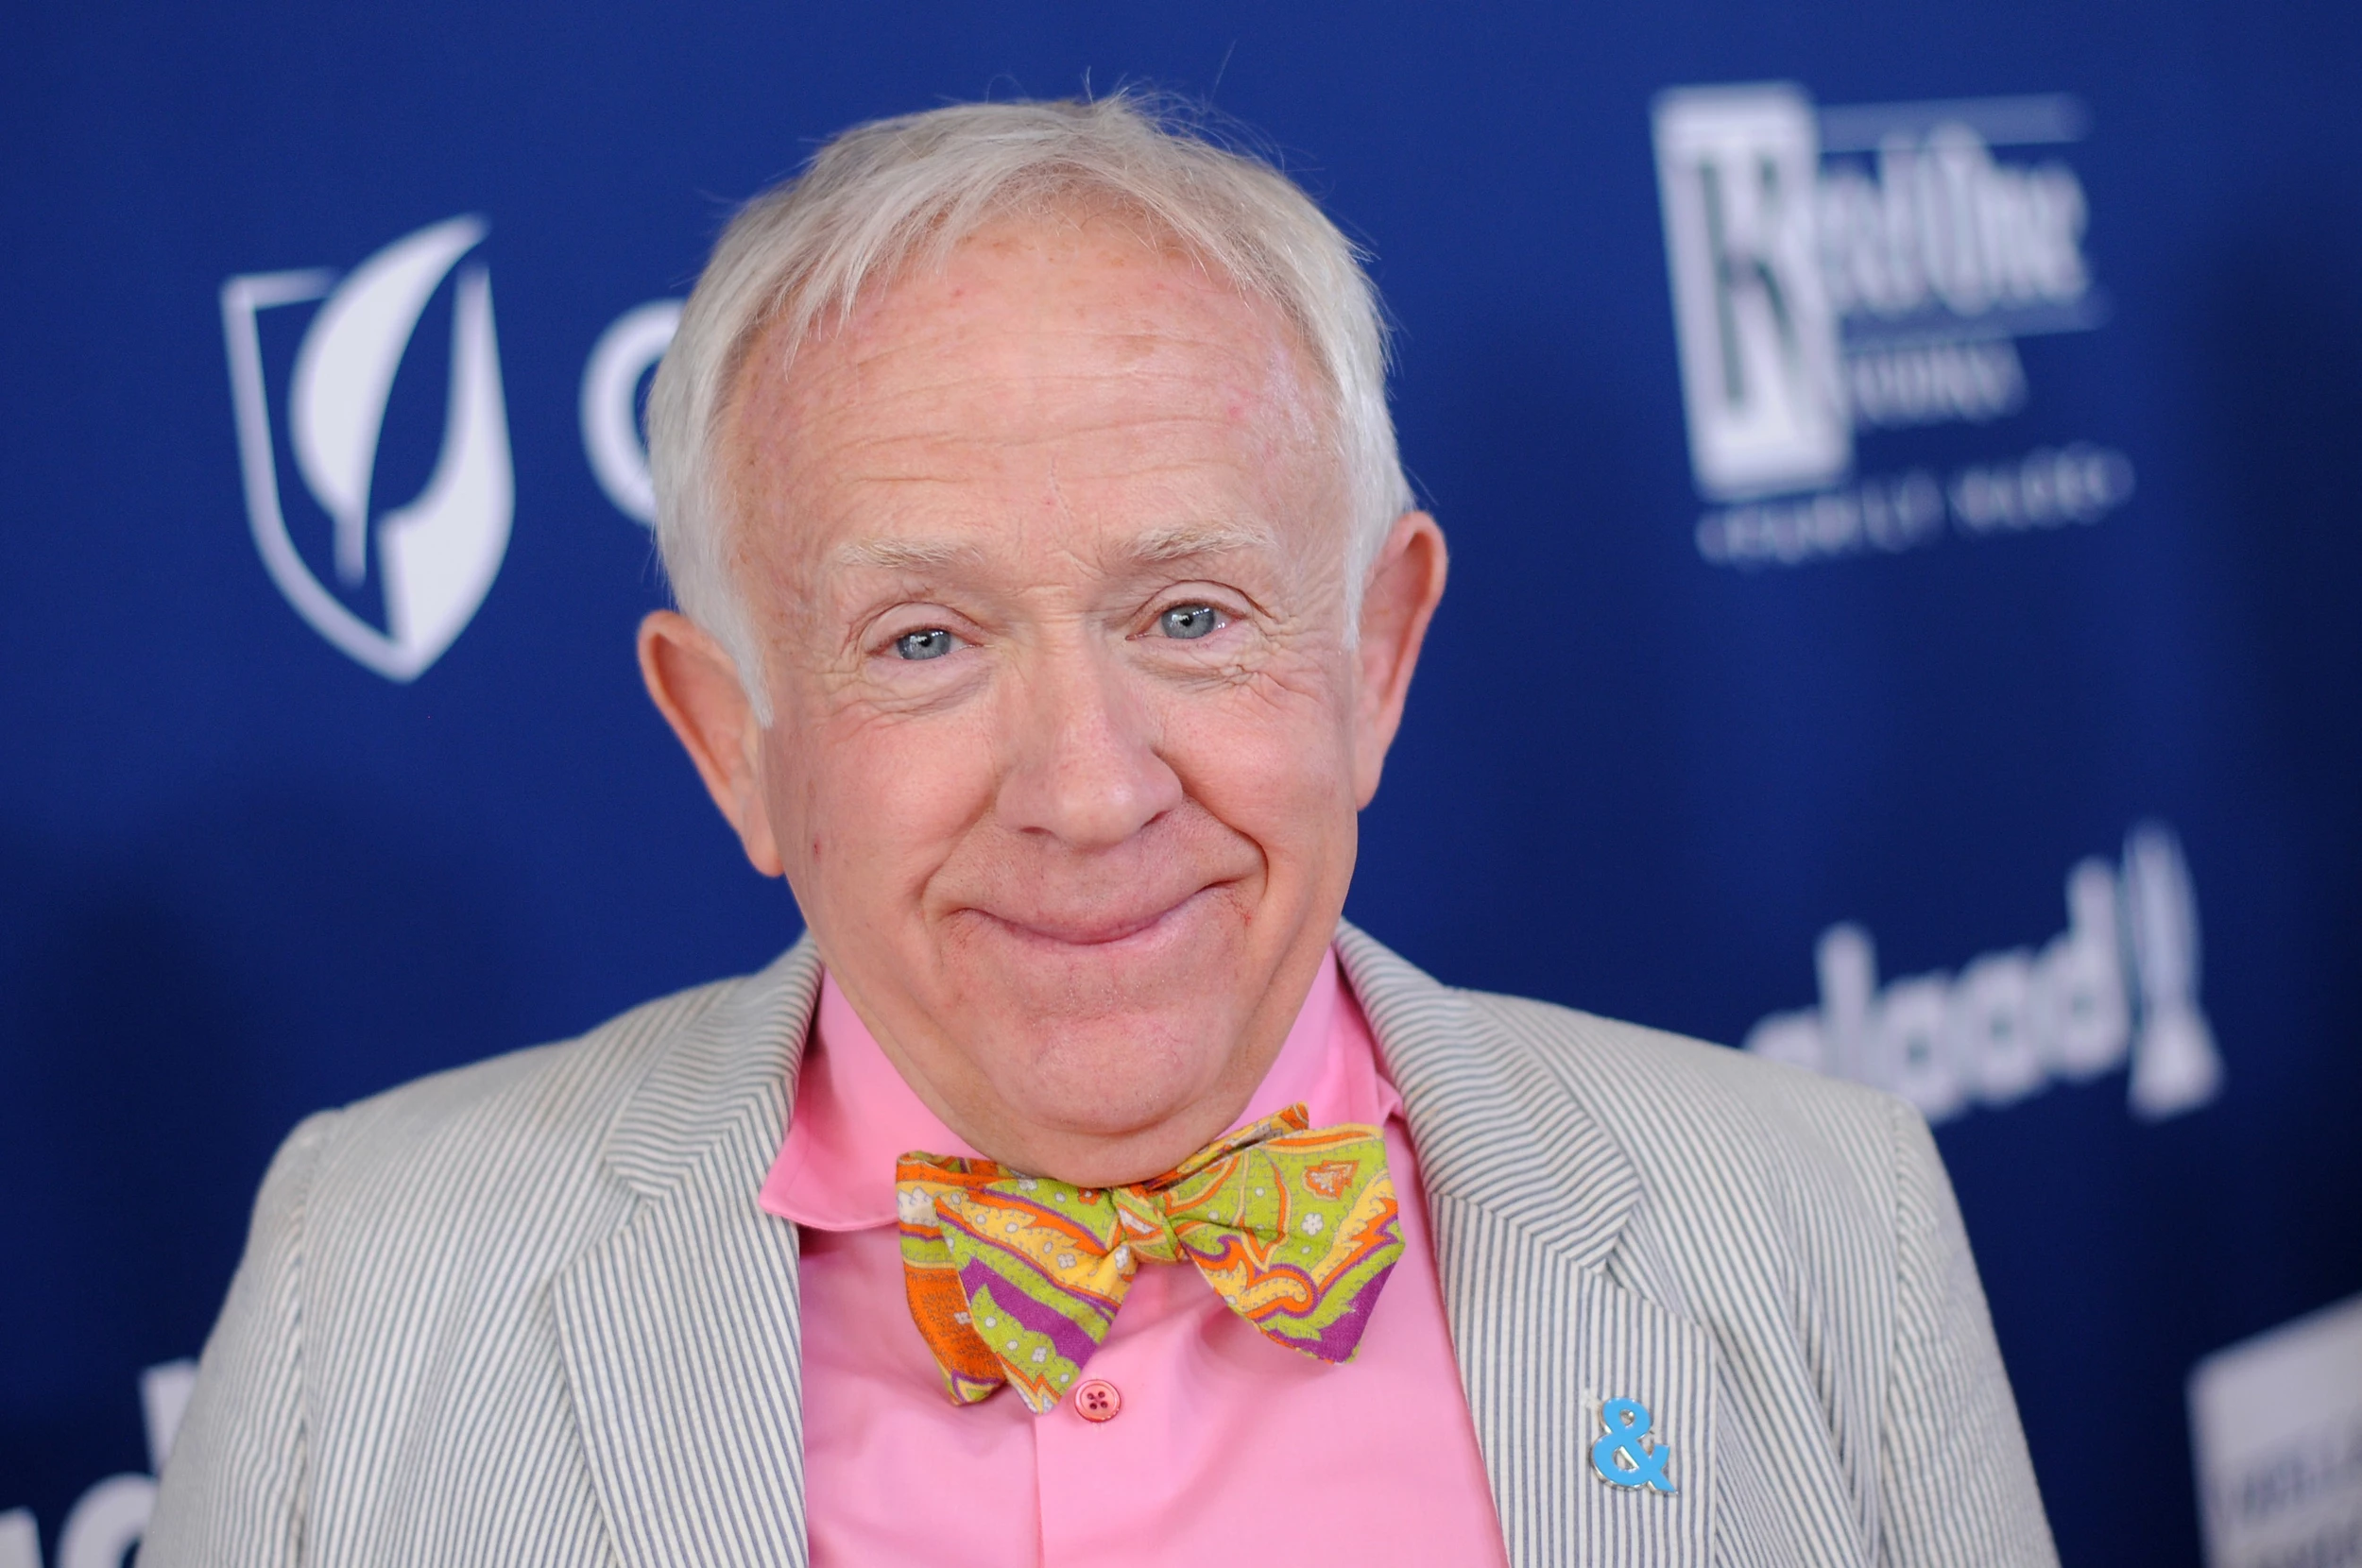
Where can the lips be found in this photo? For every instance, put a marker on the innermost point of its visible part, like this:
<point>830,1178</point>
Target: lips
<point>1096,927</point>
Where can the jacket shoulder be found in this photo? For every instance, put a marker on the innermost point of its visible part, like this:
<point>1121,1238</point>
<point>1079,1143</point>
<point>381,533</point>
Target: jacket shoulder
<point>506,1153</point>
<point>551,1094</point>
<point>1663,1061</point>
<point>1693,1112</point>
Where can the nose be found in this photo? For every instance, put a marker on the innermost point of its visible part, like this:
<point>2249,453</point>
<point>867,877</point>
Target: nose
<point>1079,752</point>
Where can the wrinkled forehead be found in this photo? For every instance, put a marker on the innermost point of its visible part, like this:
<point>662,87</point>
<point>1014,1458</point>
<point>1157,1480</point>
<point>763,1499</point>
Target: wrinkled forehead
<point>1081,351</point>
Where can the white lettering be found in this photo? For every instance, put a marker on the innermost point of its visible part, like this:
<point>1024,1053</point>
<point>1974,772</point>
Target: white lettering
<point>2276,1431</point>
<point>1891,513</point>
<point>1990,1028</point>
<point>1877,281</point>
<point>1915,1050</point>
<point>1736,169</point>
<point>1940,225</point>
<point>2010,1022</point>
<point>20,1539</point>
<point>164,1399</point>
<point>2086,1020</point>
<point>2175,1067</point>
<point>107,1523</point>
<point>110,1519</point>
<point>623,355</point>
<point>2047,487</point>
<point>1935,383</point>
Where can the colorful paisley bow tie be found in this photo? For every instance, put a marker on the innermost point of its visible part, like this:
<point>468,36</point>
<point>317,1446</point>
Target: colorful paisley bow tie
<point>1015,1279</point>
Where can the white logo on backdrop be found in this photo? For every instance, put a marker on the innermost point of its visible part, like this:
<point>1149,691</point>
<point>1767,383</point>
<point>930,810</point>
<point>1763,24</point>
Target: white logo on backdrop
<point>112,1516</point>
<point>1837,272</point>
<point>2276,1426</point>
<point>2119,982</point>
<point>611,435</point>
<point>436,556</point>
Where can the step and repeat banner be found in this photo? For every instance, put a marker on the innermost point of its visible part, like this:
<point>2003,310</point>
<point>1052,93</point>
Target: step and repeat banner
<point>1906,617</point>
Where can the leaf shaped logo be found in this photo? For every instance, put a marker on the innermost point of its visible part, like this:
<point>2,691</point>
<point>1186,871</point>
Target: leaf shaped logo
<point>436,556</point>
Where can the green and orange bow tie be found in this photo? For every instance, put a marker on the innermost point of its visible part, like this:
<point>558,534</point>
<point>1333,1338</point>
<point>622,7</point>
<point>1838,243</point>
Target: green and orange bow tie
<point>1015,1279</point>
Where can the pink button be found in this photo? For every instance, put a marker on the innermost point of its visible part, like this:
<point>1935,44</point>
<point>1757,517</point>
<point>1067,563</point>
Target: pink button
<point>1098,1400</point>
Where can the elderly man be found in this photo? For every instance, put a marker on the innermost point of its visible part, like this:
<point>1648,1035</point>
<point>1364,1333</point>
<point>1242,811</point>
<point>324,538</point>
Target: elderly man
<point>1081,1190</point>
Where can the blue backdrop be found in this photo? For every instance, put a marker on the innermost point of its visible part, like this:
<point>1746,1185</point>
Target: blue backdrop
<point>1875,495</point>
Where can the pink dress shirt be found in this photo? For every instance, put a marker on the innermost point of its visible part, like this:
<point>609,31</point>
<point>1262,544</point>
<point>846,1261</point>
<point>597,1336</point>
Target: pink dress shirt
<point>1226,1447</point>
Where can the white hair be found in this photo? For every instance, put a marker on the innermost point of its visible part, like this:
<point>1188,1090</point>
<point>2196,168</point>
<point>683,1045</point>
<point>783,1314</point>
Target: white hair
<point>888,194</point>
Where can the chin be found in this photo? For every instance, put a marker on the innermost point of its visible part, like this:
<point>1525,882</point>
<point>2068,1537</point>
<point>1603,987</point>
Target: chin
<point>1112,1073</point>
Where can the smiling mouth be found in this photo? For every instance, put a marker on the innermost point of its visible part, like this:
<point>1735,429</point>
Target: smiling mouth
<point>1093,930</point>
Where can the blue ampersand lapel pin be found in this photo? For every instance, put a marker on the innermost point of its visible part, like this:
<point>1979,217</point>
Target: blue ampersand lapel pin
<point>1619,1456</point>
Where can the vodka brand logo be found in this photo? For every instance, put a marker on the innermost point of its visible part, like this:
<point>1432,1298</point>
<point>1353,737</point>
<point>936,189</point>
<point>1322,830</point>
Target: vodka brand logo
<point>431,558</point>
<point>2116,989</point>
<point>1840,272</point>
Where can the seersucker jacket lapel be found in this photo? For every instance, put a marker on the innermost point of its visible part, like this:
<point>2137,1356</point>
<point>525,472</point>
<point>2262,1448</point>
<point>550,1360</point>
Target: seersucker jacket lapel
<point>681,1331</point>
<point>1527,1199</point>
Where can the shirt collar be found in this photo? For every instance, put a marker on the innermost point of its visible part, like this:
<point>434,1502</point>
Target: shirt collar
<point>854,1116</point>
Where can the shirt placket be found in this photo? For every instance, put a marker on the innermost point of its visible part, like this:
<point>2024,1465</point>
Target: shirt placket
<point>1106,1485</point>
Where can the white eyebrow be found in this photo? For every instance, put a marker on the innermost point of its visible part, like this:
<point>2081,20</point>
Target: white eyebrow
<point>904,554</point>
<point>1183,541</point>
<point>1158,547</point>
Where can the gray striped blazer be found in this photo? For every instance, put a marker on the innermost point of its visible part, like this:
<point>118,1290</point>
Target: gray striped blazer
<point>529,1312</point>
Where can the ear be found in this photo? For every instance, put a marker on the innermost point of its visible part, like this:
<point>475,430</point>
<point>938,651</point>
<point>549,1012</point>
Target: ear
<point>694,684</point>
<point>1405,585</point>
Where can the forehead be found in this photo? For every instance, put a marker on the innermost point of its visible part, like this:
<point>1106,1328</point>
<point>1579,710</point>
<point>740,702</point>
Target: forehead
<point>1072,354</point>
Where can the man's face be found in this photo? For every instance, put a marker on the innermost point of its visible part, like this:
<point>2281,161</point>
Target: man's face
<point>1046,552</point>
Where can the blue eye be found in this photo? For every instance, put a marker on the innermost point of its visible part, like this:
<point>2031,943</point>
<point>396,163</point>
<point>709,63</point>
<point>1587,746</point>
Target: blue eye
<point>1189,621</point>
<point>931,643</point>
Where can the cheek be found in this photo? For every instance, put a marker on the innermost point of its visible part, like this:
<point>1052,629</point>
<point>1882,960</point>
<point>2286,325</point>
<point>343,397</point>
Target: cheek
<point>1271,760</point>
<point>873,804</point>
